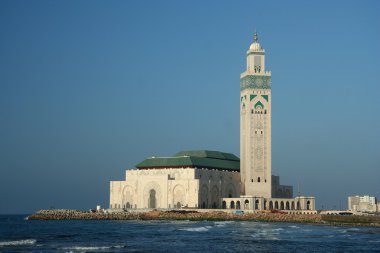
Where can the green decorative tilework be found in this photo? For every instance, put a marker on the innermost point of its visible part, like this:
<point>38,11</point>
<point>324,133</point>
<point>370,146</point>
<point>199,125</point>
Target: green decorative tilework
<point>259,104</point>
<point>251,97</point>
<point>265,97</point>
<point>255,82</point>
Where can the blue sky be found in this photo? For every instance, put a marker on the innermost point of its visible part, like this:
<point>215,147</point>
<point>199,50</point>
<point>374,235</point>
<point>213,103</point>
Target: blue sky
<point>90,88</point>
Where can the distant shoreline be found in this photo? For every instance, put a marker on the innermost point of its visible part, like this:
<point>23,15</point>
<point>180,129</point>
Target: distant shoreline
<point>63,214</point>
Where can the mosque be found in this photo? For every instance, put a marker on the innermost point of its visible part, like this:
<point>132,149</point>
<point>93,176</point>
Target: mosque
<point>217,180</point>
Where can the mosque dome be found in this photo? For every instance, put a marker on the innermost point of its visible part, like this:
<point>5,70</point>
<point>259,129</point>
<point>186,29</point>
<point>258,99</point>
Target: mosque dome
<point>255,46</point>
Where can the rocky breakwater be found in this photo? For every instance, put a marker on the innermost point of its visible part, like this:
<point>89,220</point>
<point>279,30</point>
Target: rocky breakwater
<point>64,214</point>
<point>223,216</point>
<point>173,215</point>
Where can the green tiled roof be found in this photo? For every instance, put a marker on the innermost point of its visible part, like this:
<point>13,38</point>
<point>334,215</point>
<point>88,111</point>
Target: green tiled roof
<point>197,158</point>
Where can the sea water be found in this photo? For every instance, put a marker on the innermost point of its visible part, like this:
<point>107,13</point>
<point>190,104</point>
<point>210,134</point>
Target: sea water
<point>20,235</point>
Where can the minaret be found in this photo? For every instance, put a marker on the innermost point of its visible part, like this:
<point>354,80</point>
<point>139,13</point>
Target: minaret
<point>255,125</point>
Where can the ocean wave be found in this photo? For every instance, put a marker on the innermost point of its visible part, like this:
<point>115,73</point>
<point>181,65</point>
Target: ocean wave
<point>295,227</point>
<point>18,242</point>
<point>222,223</point>
<point>266,236</point>
<point>92,248</point>
<point>198,229</point>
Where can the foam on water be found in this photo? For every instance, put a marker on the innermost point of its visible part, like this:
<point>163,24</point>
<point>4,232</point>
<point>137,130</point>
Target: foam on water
<point>91,248</point>
<point>295,227</point>
<point>266,236</point>
<point>198,229</point>
<point>222,223</point>
<point>18,242</point>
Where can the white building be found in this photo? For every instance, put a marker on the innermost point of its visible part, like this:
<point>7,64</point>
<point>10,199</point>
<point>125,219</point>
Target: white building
<point>211,179</point>
<point>195,179</point>
<point>362,203</point>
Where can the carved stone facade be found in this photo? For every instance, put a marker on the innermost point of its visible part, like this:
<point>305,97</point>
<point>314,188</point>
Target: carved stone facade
<point>174,188</point>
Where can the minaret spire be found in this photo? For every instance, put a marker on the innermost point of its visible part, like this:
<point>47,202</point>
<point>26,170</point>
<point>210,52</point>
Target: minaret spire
<point>255,39</point>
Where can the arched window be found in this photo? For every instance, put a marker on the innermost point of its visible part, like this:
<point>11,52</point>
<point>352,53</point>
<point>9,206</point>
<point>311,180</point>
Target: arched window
<point>256,204</point>
<point>224,204</point>
<point>276,205</point>
<point>238,204</point>
<point>282,205</point>
<point>232,205</point>
<point>265,205</point>
<point>258,179</point>
<point>152,199</point>
<point>308,205</point>
<point>246,204</point>
<point>298,205</point>
<point>270,205</point>
<point>287,205</point>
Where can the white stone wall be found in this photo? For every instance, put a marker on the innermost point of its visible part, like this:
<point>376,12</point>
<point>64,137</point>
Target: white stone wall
<point>172,188</point>
<point>362,203</point>
<point>216,184</point>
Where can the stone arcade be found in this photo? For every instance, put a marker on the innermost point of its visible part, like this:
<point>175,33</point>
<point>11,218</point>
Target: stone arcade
<point>212,179</point>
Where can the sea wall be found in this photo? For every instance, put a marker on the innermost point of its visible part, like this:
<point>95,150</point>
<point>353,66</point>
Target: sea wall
<point>172,215</point>
<point>195,215</point>
<point>372,220</point>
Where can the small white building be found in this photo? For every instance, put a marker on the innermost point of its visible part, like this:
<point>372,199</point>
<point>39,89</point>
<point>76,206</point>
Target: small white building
<point>364,203</point>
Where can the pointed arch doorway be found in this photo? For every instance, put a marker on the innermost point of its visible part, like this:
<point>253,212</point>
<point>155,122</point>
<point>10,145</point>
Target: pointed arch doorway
<point>152,199</point>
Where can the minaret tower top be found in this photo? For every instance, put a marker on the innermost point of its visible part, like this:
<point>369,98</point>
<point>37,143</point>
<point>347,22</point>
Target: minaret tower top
<point>255,46</point>
<point>255,58</point>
